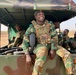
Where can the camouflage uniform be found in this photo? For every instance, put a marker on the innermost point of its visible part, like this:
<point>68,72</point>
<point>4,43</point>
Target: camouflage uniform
<point>65,55</point>
<point>67,59</point>
<point>44,35</point>
<point>18,40</point>
<point>72,44</point>
<point>63,40</point>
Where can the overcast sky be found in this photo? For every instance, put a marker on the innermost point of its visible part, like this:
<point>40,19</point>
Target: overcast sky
<point>74,1</point>
<point>69,24</point>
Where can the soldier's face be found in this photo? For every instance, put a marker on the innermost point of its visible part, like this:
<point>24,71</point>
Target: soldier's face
<point>17,28</point>
<point>65,32</point>
<point>57,24</point>
<point>40,16</point>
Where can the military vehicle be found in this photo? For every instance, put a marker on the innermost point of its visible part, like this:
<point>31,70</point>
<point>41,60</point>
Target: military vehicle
<point>21,12</point>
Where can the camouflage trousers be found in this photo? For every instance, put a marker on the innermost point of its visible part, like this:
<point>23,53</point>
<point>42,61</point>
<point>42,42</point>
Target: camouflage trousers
<point>41,56</point>
<point>67,59</point>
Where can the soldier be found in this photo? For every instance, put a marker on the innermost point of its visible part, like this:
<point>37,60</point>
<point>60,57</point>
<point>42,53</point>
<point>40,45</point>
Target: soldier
<point>63,53</point>
<point>45,32</point>
<point>63,39</point>
<point>72,43</point>
<point>19,37</point>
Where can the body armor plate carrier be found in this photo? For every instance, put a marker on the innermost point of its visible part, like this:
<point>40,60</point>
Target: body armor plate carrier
<point>42,32</point>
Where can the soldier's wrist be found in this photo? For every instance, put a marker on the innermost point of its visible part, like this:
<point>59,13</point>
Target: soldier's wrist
<point>26,53</point>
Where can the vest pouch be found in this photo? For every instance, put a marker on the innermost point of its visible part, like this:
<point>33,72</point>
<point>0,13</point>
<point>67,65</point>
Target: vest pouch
<point>44,39</point>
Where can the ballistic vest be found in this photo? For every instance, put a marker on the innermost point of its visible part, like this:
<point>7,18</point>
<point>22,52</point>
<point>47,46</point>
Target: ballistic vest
<point>42,32</point>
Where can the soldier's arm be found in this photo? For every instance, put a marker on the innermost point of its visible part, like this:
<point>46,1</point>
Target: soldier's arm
<point>66,42</point>
<point>10,45</point>
<point>60,39</point>
<point>25,44</point>
<point>54,38</point>
<point>52,28</point>
<point>73,43</point>
<point>15,43</point>
<point>17,39</point>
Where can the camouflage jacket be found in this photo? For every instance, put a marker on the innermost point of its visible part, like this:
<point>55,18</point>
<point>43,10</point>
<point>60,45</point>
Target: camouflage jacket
<point>72,43</point>
<point>31,29</point>
<point>18,40</point>
<point>63,39</point>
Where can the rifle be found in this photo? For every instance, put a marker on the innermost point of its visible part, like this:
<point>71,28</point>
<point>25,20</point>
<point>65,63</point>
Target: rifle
<point>5,51</point>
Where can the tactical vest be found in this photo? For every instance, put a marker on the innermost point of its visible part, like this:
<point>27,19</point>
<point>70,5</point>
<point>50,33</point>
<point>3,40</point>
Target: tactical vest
<point>42,32</point>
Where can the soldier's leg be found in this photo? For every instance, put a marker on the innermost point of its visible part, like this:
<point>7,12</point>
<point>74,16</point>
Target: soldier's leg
<point>67,59</point>
<point>41,56</point>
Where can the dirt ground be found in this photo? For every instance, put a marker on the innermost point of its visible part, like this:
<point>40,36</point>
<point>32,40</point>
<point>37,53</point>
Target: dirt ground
<point>4,38</point>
